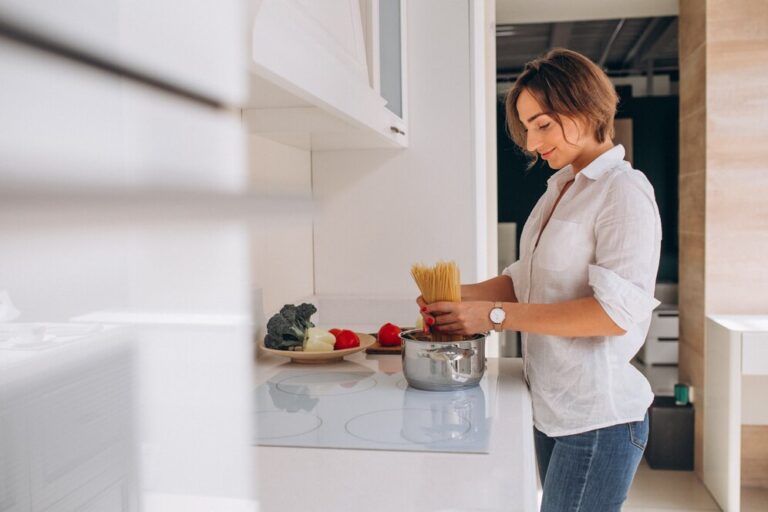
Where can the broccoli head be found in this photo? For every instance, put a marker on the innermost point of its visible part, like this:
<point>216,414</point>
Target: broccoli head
<point>304,312</point>
<point>288,328</point>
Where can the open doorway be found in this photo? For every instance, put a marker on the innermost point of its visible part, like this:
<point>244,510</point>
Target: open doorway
<point>640,56</point>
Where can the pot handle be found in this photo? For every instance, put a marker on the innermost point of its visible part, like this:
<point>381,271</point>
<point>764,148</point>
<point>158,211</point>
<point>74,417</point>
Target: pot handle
<point>448,354</point>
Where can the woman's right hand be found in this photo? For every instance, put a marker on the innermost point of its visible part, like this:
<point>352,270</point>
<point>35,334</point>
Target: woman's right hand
<point>429,320</point>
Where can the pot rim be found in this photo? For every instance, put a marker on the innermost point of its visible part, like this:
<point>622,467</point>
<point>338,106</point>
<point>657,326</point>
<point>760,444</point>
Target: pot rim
<point>408,336</point>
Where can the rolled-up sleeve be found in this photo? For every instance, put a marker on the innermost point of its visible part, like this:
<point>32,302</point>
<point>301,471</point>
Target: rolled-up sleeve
<point>628,242</point>
<point>513,272</point>
<point>626,303</point>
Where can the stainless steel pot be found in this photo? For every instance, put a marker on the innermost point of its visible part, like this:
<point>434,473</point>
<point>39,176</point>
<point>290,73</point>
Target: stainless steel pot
<point>442,365</point>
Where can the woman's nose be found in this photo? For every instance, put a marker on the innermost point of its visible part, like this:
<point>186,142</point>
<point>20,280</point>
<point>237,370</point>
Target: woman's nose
<point>532,143</point>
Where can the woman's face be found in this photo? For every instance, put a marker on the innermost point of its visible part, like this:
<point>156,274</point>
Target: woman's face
<point>558,146</point>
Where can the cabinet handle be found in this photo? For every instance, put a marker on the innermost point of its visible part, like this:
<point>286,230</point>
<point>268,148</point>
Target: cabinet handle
<point>395,129</point>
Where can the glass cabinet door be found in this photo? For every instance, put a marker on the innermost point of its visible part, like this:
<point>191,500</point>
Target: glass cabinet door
<point>390,55</point>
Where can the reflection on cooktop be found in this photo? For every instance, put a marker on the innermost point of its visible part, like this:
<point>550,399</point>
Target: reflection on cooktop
<point>370,410</point>
<point>277,424</point>
<point>326,384</point>
<point>405,426</point>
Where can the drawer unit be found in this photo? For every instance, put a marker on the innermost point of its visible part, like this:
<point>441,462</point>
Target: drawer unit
<point>665,323</point>
<point>661,344</point>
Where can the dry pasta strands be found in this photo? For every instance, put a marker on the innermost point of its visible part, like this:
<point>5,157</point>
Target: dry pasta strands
<point>439,283</point>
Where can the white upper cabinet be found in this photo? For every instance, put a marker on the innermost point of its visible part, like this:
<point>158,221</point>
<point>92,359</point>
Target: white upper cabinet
<point>193,45</point>
<point>329,75</point>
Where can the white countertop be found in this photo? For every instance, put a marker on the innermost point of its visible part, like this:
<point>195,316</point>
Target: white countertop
<point>374,480</point>
<point>742,323</point>
<point>163,415</point>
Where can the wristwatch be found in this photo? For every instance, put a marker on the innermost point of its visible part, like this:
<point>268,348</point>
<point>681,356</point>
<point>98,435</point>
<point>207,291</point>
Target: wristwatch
<point>497,316</point>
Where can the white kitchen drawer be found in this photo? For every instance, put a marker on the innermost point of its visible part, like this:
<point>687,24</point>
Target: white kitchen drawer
<point>755,353</point>
<point>665,323</point>
<point>659,351</point>
<point>68,126</point>
<point>14,464</point>
<point>80,432</point>
<point>194,44</point>
<point>119,497</point>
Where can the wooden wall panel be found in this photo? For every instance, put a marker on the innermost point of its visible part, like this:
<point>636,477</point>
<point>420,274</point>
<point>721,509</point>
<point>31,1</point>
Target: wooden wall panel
<point>723,185</point>
<point>693,34</point>
<point>692,215</point>
<point>754,456</point>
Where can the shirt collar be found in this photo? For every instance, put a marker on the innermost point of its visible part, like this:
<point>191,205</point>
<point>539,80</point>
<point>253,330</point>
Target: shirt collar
<point>595,169</point>
<point>561,176</point>
<point>604,162</point>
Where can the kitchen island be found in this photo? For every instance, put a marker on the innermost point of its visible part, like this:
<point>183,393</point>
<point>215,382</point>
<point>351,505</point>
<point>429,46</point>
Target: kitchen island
<point>499,477</point>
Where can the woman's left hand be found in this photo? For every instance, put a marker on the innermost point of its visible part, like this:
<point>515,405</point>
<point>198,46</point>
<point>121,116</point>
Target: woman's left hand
<point>461,317</point>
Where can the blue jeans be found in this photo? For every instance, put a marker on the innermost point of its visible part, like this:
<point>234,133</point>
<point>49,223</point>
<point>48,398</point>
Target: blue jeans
<point>591,471</point>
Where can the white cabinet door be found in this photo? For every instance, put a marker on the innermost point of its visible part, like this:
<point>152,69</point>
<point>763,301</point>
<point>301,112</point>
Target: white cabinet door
<point>197,45</point>
<point>313,56</point>
<point>68,126</point>
<point>385,26</point>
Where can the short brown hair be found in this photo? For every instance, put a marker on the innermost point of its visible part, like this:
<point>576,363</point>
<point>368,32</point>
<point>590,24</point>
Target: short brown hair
<point>567,83</point>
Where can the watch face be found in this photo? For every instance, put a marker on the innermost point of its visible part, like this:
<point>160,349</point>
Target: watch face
<point>497,315</point>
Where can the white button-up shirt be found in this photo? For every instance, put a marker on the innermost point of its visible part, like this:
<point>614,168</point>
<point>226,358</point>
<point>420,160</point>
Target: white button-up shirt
<point>603,240</point>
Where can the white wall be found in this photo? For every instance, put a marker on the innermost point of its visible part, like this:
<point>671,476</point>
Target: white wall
<point>379,211</point>
<point>281,234</point>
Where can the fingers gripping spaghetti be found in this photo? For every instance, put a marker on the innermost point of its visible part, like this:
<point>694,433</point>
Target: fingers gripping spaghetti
<point>439,283</point>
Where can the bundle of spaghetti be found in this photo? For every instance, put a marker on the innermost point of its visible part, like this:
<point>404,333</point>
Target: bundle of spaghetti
<point>439,283</point>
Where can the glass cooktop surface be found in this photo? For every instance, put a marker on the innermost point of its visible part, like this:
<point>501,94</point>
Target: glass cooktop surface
<point>363,409</point>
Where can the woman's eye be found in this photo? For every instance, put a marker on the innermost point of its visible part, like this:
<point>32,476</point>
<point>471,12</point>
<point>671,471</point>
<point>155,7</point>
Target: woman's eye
<point>544,126</point>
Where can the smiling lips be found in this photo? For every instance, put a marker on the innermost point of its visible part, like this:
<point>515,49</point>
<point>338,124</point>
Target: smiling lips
<point>547,154</point>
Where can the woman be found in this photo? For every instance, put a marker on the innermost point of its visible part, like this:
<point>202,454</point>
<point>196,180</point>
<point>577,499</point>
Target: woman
<point>581,293</point>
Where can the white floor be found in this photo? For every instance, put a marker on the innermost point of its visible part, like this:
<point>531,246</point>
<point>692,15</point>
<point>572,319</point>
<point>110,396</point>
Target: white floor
<point>656,490</point>
<point>678,491</point>
<point>663,490</point>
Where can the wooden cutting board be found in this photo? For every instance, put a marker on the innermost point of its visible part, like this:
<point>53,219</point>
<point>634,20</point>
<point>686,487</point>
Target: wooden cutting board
<point>378,348</point>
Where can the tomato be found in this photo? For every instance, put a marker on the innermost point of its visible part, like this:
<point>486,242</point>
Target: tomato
<point>389,334</point>
<point>346,339</point>
<point>334,331</point>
